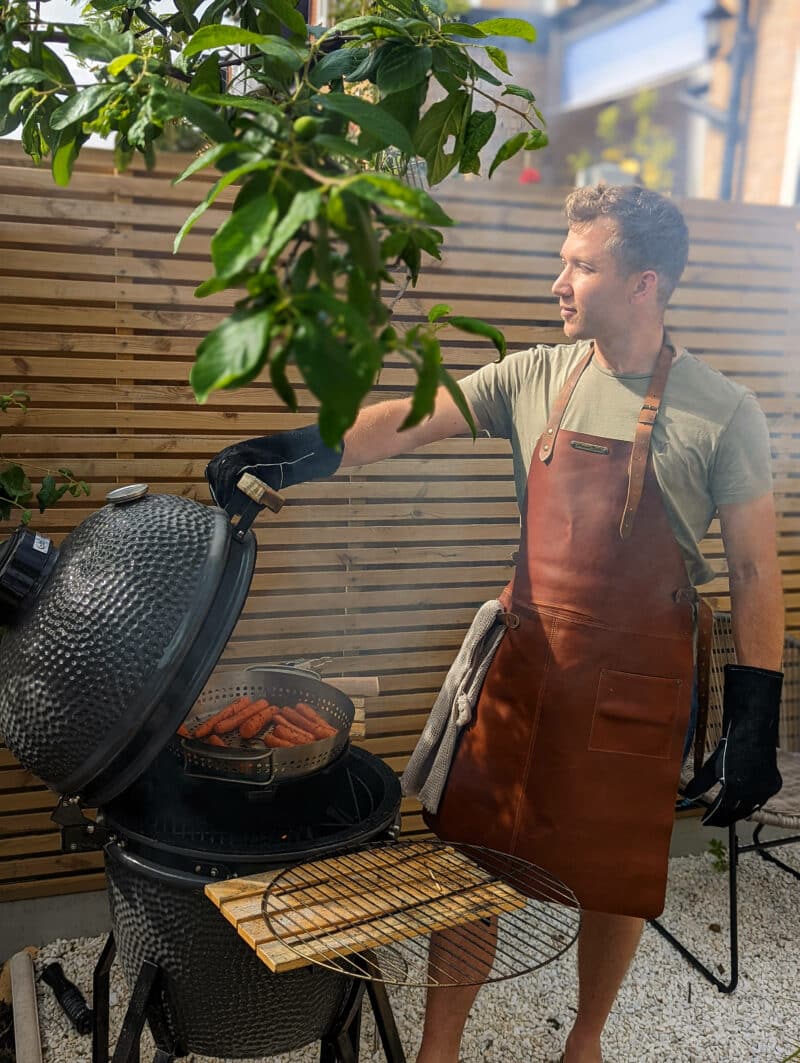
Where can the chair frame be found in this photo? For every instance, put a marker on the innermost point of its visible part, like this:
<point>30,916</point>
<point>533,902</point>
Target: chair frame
<point>720,655</point>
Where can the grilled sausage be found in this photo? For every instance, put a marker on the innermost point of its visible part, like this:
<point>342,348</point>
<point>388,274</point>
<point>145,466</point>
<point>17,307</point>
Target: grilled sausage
<point>208,725</point>
<point>233,723</point>
<point>257,722</point>
<point>312,717</point>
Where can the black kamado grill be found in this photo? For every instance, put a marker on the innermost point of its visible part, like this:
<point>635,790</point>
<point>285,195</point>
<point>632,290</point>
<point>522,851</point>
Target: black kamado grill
<point>110,644</point>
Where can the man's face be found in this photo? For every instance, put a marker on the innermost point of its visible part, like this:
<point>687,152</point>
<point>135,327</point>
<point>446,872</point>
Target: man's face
<point>594,297</point>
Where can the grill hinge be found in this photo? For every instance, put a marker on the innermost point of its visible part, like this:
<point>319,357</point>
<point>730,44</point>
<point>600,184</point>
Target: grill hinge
<point>79,833</point>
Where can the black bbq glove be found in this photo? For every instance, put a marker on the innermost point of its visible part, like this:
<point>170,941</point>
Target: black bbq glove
<point>745,761</point>
<point>281,460</point>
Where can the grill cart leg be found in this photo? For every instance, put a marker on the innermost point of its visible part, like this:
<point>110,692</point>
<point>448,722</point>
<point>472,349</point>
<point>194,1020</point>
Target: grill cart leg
<point>723,987</point>
<point>144,1004</point>
<point>101,981</point>
<point>384,1017</point>
<point>342,1044</point>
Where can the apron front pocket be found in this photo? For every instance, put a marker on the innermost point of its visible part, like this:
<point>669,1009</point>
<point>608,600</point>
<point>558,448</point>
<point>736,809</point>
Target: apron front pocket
<point>634,714</point>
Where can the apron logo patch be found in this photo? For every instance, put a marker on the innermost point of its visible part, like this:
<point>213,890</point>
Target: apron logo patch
<point>593,448</point>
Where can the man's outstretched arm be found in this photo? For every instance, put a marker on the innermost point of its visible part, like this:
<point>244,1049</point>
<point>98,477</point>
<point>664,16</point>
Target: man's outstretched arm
<point>376,433</point>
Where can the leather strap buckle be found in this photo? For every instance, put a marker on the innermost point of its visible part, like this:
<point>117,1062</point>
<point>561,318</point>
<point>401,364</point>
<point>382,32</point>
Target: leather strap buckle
<point>509,620</point>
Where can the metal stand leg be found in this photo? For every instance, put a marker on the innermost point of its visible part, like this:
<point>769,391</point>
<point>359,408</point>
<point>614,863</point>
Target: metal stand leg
<point>761,848</point>
<point>723,987</point>
<point>341,1045</point>
<point>101,982</point>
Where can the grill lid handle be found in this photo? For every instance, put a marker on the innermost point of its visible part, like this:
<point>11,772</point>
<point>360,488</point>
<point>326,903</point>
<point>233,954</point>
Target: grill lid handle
<point>26,560</point>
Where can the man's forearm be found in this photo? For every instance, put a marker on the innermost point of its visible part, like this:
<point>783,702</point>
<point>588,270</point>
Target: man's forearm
<point>757,614</point>
<point>376,433</point>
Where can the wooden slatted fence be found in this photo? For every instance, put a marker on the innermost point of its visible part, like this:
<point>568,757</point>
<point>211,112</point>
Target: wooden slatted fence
<point>381,568</point>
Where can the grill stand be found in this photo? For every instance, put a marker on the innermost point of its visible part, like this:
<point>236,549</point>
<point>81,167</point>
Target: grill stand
<point>341,1045</point>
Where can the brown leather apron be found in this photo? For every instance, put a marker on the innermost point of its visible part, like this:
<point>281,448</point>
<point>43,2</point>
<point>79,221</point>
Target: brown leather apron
<point>572,758</point>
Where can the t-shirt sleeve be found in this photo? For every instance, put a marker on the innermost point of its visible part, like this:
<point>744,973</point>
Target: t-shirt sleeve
<point>742,468</point>
<point>491,391</point>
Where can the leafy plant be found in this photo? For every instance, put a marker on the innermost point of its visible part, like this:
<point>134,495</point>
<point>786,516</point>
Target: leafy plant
<point>16,489</point>
<point>719,853</point>
<point>634,141</point>
<point>300,120</point>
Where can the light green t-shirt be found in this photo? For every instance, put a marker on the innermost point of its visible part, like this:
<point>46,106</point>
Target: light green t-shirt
<point>710,443</point>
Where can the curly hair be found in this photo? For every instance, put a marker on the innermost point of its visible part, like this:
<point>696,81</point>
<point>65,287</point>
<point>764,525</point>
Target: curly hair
<point>651,232</point>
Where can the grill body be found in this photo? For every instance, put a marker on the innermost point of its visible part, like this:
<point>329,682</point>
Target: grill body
<point>219,999</point>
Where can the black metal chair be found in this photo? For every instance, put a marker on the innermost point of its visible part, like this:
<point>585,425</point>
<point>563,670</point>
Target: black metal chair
<point>783,810</point>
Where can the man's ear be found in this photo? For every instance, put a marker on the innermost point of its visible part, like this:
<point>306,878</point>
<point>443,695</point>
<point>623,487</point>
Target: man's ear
<point>646,286</point>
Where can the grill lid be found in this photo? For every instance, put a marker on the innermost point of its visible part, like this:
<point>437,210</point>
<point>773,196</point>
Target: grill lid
<point>106,652</point>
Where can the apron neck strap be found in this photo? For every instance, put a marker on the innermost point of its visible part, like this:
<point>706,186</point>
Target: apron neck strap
<point>547,443</point>
<point>641,442</point>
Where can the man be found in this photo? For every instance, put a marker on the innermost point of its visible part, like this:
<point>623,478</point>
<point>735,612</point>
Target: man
<point>623,450</point>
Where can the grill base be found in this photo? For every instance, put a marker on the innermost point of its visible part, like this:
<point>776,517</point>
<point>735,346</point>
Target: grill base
<point>217,997</point>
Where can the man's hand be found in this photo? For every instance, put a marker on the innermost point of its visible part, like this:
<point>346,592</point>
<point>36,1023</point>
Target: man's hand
<point>745,761</point>
<point>279,461</point>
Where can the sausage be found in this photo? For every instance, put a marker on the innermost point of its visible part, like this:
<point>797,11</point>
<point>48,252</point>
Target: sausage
<point>184,731</point>
<point>257,722</point>
<point>232,723</point>
<point>272,740</point>
<point>315,727</point>
<point>208,725</point>
<point>290,733</point>
<point>313,717</point>
<point>214,740</point>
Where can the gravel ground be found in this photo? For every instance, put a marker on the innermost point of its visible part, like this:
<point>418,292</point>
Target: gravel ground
<point>664,1014</point>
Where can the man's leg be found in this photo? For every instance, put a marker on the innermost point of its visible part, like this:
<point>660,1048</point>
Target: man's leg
<point>464,953</point>
<point>606,946</point>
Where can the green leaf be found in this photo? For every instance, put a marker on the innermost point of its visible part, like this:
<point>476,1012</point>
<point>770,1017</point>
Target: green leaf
<point>233,351</point>
<point>215,36</point>
<point>278,361</point>
<point>244,103</point>
<point>507,27</point>
<point>28,76</point>
<point>339,146</point>
<point>438,311</point>
<point>116,66</point>
<point>536,139</point>
<point>480,126</point>
<point>49,493</point>
<point>404,66</point>
<point>423,400</point>
<point>82,104</point>
<point>498,57</point>
<point>97,41</point>
<point>55,66</point>
<point>441,121</point>
<point>241,236</point>
<point>206,78</point>
<point>278,49</point>
<point>480,328</point>
<point>508,150</point>
<point>8,121</point>
<point>336,65</point>
<point>211,195</point>
<point>286,14</point>
<point>519,90</point>
<point>438,7</point>
<point>304,207</point>
<point>394,194</point>
<point>461,29</point>
<point>17,101</point>
<point>183,105</point>
<point>65,154</point>
<point>367,22</point>
<point>457,395</point>
<point>370,117</point>
<point>208,158</point>
<point>15,483</point>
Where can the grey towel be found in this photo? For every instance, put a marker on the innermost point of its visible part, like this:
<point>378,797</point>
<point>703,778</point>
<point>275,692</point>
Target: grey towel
<point>426,771</point>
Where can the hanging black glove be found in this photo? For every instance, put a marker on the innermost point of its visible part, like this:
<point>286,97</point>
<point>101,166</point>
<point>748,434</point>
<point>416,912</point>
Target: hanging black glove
<point>745,761</point>
<point>281,460</point>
